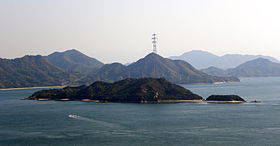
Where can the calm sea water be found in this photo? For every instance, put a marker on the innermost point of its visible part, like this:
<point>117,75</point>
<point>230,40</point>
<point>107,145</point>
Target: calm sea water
<point>34,123</point>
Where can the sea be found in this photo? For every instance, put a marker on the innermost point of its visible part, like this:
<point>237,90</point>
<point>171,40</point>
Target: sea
<point>78,123</point>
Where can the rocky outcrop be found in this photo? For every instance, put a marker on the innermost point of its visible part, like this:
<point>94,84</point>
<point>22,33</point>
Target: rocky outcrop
<point>225,98</point>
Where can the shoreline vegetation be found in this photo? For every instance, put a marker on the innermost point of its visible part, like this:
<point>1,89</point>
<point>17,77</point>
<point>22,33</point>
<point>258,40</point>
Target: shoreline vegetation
<point>144,90</point>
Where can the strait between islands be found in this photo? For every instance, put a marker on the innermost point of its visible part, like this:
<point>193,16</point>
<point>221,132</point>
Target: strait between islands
<point>143,90</point>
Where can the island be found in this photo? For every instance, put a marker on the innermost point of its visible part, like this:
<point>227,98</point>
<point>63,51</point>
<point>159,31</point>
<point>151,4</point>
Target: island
<point>130,90</point>
<point>225,99</point>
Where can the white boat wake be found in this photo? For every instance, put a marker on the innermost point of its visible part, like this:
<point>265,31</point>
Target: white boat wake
<point>106,124</point>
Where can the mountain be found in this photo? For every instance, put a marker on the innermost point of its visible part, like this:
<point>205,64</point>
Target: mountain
<point>129,90</point>
<point>203,59</point>
<point>74,61</point>
<point>259,67</point>
<point>109,72</point>
<point>153,65</point>
<point>30,71</point>
<point>176,71</point>
<point>199,59</point>
<point>256,68</point>
<point>214,71</point>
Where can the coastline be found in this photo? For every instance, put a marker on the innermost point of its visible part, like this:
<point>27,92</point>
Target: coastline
<point>159,101</point>
<point>216,83</point>
<point>178,101</point>
<point>44,87</point>
<point>38,87</point>
<point>224,101</point>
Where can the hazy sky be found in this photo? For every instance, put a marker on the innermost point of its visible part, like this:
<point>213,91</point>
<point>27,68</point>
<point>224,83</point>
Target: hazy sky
<point>120,30</point>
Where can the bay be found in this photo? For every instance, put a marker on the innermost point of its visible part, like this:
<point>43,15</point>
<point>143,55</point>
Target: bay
<point>34,123</point>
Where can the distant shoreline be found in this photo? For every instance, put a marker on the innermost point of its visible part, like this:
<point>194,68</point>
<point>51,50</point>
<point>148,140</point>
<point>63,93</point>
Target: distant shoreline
<point>159,101</point>
<point>39,87</point>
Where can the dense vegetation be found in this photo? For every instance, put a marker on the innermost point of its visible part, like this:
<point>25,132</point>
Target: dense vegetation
<point>128,90</point>
<point>155,66</point>
<point>74,61</point>
<point>74,68</point>
<point>32,71</point>
<point>225,98</point>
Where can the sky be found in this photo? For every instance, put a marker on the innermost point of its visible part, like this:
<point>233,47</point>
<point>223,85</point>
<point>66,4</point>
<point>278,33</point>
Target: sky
<point>120,30</point>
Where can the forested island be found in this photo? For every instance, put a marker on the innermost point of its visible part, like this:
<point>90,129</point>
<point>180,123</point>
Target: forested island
<point>143,90</point>
<point>127,90</point>
<point>225,98</point>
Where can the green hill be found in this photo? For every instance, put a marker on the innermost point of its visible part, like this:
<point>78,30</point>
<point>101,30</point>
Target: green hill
<point>30,71</point>
<point>109,72</point>
<point>128,90</point>
<point>256,68</point>
<point>74,61</point>
<point>214,71</point>
<point>155,66</point>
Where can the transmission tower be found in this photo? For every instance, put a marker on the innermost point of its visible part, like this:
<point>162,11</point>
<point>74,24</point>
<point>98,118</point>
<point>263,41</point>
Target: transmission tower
<point>154,42</point>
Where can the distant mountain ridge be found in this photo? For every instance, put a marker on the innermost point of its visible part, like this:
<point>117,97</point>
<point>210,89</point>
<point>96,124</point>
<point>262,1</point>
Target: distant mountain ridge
<point>153,65</point>
<point>256,68</point>
<point>259,67</point>
<point>75,61</point>
<point>203,59</point>
<point>74,68</point>
<point>30,71</point>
